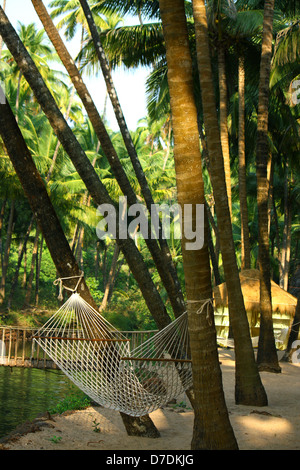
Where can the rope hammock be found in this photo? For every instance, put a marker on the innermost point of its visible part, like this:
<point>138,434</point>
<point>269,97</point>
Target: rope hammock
<point>98,359</point>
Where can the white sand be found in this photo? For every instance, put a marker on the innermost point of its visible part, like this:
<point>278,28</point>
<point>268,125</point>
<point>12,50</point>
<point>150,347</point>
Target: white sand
<point>274,427</point>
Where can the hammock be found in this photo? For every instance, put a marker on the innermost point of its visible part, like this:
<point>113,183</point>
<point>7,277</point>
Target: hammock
<point>97,358</point>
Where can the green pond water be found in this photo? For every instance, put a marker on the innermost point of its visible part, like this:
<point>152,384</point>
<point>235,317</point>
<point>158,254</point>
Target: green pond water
<point>25,393</point>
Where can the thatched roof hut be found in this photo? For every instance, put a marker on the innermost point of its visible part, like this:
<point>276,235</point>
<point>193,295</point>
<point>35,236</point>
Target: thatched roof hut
<point>283,306</point>
<point>282,301</point>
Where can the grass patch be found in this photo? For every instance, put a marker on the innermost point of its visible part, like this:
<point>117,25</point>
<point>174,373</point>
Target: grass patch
<point>76,401</point>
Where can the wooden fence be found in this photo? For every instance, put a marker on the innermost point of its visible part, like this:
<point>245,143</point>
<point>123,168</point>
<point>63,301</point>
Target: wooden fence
<point>17,348</point>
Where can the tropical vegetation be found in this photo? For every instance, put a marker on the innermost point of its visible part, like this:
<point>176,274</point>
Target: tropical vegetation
<point>222,129</point>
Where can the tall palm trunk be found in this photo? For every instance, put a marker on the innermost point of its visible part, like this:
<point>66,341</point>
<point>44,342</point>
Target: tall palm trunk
<point>245,240</point>
<point>223,122</point>
<point>266,356</point>
<point>51,229</point>
<point>38,272</point>
<point>2,213</point>
<point>249,388</point>
<point>17,270</point>
<point>284,258</point>
<point>212,428</point>
<point>162,258</point>
<point>32,267</point>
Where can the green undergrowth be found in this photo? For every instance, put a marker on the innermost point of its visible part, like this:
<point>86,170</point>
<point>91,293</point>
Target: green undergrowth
<point>75,401</point>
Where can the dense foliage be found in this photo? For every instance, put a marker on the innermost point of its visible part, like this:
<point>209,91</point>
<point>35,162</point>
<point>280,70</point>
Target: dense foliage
<point>27,271</point>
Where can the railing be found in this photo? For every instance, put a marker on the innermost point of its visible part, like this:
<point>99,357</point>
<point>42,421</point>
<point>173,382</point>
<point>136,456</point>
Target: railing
<point>17,349</point>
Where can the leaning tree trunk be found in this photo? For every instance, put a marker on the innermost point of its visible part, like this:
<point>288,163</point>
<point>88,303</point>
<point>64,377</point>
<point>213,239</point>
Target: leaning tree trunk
<point>7,251</point>
<point>245,239</point>
<point>94,186</point>
<point>106,70</point>
<point>84,168</point>
<point>161,257</point>
<point>49,224</point>
<point>212,428</point>
<point>110,280</point>
<point>249,389</point>
<point>266,355</point>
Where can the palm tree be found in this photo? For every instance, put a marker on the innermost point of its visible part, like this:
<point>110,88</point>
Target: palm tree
<point>267,356</point>
<point>162,260</point>
<point>80,161</point>
<point>88,175</point>
<point>165,252</point>
<point>4,264</point>
<point>57,243</point>
<point>217,12</point>
<point>249,388</point>
<point>212,429</point>
<point>245,239</point>
<point>73,16</point>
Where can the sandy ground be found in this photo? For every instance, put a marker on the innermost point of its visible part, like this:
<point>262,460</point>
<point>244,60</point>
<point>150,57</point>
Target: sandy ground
<point>274,427</point>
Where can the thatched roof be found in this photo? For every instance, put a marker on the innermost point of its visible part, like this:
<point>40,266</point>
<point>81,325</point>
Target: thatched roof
<point>282,301</point>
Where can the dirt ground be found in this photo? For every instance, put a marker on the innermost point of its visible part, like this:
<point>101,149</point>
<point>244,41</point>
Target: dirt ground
<point>274,427</point>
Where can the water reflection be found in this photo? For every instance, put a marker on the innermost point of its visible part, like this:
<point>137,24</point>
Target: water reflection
<point>24,393</point>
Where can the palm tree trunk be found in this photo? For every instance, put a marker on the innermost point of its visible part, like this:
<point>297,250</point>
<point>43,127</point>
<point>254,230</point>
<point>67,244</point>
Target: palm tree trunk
<point>7,251</point>
<point>18,96</point>
<point>212,428</point>
<point>24,279</point>
<point>213,257</point>
<point>51,229</point>
<point>2,213</point>
<point>223,122</point>
<point>32,268</point>
<point>161,257</point>
<point>55,154</point>
<point>288,249</point>
<point>19,263</point>
<point>38,271</point>
<point>285,249</point>
<point>249,388</point>
<point>266,355</point>
<point>110,280</point>
<point>245,240</point>
<point>168,145</point>
<point>175,292</point>
<point>84,168</point>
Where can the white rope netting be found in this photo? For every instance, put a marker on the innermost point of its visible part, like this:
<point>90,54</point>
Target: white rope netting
<point>98,359</point>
